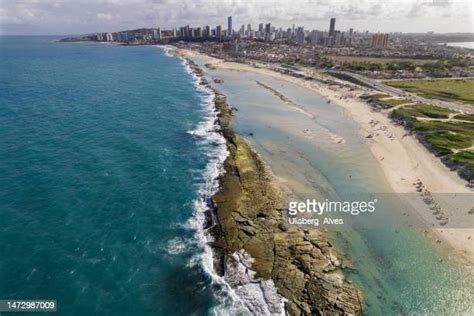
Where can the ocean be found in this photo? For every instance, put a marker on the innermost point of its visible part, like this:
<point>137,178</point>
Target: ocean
<point>108,156</point>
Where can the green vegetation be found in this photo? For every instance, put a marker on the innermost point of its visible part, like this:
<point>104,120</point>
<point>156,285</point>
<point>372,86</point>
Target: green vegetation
<point>371,66</point>
<point>445,141</point>
<point>465,117</point>
<point>424,110</point>
<point>292,67</point>
<point>460,90</point>
<point>450,139</point>
<point>455,127</point>
<point>380,100</point>
<point>431,67</point>
<point>464,157</point>
<point>390,103</point>
<point>379,60</point>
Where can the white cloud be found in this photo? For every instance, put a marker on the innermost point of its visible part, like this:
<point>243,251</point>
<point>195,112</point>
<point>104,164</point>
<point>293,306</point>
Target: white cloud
<point>104,16</point>
<point>81,16</point>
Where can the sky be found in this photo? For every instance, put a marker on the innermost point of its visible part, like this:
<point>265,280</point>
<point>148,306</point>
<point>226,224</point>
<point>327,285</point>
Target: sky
<point>62,17</point>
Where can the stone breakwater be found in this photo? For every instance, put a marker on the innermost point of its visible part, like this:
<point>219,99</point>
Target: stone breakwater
<point>273,267</point>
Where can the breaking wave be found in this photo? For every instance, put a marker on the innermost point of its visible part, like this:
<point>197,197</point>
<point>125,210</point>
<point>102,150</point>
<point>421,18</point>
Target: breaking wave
<point>214,146</point>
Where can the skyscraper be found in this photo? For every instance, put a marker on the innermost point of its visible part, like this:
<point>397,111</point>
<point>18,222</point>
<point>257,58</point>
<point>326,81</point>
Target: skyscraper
<point>229,26</point>
<point>332,26</point>
<point>242,30</point>
<point>268,28</point>
<point>218,32</point>
<point>300,36</point>
<point>268,34</point>
<point>380,40</point>
<point>316,37</point>
<point>349,40</point>
<point>157,34</point>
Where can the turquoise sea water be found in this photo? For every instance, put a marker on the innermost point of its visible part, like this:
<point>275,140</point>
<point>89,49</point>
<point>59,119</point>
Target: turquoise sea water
<point>99,178</point>
<point>106,155</point>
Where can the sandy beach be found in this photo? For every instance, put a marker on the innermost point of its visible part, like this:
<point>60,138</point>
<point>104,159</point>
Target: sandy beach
<point>406,163</point>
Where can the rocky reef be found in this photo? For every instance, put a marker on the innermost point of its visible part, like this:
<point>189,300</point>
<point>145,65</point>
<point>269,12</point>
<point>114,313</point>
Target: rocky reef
<point>272,266</point>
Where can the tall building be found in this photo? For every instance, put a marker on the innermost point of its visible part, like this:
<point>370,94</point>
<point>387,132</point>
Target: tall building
<point>219,32</point>
<point>109,37</point>
<point>268,28</point>
<point>242,30</point>
<point>229,26</point>
<point>351,34</point>
<point>157,34</point>
<point>316,36</point>
<point>337,38</point>
<point>187,31</point>
<point>332,26</point>
<point>380,40</point>
<point>300,36</point>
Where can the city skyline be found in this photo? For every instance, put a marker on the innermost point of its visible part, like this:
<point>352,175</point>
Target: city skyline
<point>53,17</point>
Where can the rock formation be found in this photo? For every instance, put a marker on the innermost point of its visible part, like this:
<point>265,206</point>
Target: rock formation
<point>256,251</point>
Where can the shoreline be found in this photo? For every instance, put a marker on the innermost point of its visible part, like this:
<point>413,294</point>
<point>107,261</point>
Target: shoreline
<point>403,159</point>
<point>255,252</point>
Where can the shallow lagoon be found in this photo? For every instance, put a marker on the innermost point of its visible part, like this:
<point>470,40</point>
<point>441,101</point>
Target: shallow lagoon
<point>399,270</point>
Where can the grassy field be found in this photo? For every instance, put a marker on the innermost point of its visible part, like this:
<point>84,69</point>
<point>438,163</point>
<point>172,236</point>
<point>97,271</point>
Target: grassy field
<point>381,60</point>
<point>465,117</point>
<point>465,158</point>
<point>390,103</point>
<point>458,90</point>
<point>379,100</point>
<point>452,140</point>
<point>424,110</point>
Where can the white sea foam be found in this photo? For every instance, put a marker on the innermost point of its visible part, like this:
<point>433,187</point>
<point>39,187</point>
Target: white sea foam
<point>177,246</point>
<point>259,296</point>
<point>213,143</point>
<point>166,49</point>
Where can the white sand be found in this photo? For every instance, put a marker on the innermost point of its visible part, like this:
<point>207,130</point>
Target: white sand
<point>403,159</point>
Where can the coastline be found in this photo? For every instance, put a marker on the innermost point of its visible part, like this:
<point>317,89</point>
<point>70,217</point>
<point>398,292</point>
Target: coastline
<point>403,159</point>
<point>257,255</point>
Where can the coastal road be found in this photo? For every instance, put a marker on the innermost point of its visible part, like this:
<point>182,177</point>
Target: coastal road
<point>375,84</point>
